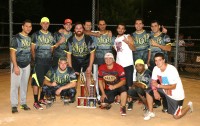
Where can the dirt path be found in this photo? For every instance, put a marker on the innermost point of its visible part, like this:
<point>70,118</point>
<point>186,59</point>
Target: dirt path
<point>60,115</point>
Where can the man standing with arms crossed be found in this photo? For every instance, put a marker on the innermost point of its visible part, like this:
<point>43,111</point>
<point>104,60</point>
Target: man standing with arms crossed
<point>41,48</point>
<point>20,54</point>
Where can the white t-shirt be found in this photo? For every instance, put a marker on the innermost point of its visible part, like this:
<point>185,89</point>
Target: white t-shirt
<point>168,77</point>
<point>124,53</point>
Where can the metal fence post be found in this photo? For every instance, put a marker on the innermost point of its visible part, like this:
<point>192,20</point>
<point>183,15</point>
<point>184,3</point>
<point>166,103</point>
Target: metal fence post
<point>10,19</point>
<point>93,14</point>
<point>177,30</point>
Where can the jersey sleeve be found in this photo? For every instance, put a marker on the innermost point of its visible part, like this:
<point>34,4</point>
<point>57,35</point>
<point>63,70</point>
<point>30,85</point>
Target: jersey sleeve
<point>72,75</point>
<point>113,40</point>
<point>167,40</point>
<point>34,38</point>
<point>13,44</point>
<point>100,75</point>
<point>92,46</point>
<point>121,73</point>
<point>56,37</point>
<point>154,74</point>
<point>49,75</point>
<point>69,46</point>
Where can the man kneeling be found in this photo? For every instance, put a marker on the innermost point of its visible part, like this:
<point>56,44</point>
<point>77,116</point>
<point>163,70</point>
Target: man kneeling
<point>60,80</point>
<point>139,87</point>
<point>171,88</point>
<point>112,82</point>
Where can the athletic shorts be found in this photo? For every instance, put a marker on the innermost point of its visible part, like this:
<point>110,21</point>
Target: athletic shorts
<point>38,74</point>
<point>55,61</point>
<point>173,106</point>
<point>77,65</point>
<point>133,93</point>
<point>50,91</point>
<point>112,93</point>
<point>129,75</point>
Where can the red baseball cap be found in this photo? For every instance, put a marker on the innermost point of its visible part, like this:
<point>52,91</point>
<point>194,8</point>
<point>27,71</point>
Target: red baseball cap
<point>68,21</point>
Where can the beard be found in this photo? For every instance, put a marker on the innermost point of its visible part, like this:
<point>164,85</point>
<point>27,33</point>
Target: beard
<point>79,33</point>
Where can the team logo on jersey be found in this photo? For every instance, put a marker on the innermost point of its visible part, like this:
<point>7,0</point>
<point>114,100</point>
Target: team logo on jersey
<point>141,40</point>
<point>26,43</point>
<point>109,78</point>
<point>119,46</point>
<point>167,39</point>
<point>122,73</point>
<point>104,41</point>
<point>80,49</point>
<point>45,40</point>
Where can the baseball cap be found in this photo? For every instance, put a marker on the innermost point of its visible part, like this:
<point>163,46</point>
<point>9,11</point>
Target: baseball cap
<point>139,61</point>
<point>44,19</point>
<point>62,58</point>
<point>108,55</point>
<point>68,21</point>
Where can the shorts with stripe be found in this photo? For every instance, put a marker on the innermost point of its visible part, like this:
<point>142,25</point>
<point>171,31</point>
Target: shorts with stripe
<point>174,106</point>
<point>38,74</point>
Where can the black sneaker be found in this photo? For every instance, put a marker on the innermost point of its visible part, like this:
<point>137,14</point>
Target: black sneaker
<point>130,106</point>
<point>14,110</point>
<point>25,107</point>
<point>156,106</point>
<point>164,110</point>
<point>123,111</point>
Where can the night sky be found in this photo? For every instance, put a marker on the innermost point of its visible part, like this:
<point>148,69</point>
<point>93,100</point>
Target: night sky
<point>77,10</point>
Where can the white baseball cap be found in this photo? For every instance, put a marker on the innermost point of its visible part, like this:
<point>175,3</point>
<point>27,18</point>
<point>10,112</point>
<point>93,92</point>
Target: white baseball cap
<point>108,55</point>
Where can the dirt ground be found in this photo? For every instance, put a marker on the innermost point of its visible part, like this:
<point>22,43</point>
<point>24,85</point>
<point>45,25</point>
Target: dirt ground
<point>60,115</point>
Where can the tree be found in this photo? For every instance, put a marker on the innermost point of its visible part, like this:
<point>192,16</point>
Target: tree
<point>115,11</point>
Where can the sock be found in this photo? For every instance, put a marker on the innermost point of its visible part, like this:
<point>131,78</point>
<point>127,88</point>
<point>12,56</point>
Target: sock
<point>36,98</point>
<point>41,95</point>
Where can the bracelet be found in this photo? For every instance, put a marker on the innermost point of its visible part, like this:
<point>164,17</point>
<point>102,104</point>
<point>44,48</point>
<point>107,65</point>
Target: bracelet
<point>158,86</point>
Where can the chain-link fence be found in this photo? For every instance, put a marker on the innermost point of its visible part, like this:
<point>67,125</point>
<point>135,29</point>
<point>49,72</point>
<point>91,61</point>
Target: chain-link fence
<point>188,55</point>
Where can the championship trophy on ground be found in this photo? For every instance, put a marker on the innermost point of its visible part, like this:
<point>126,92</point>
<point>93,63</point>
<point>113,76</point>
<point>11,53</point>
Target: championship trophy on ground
<point>86,93</point>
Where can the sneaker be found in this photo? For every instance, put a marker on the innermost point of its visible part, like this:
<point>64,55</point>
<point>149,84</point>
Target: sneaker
<point>25,107</point>
<point>106,106</point>
<point>164,110</point>
<point>37,105</point>
<point>191,106</point>
<point>146,111</point>
<point>156,106</point>
<point>14,110</point>
<point>130,106</point>
<point>149,115</point>
<point>123,111</point>
<point>42,102</point>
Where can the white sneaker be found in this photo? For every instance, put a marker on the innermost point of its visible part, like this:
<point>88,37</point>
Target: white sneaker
<point>191,106</point>
<point>146,112</point>
<point>149,115</point>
